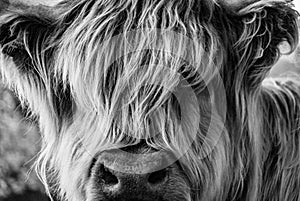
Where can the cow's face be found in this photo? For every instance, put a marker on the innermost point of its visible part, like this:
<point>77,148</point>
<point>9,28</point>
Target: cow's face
<point>142,100</point>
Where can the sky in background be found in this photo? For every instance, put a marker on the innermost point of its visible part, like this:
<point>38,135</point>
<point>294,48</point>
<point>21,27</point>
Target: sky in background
<point>297,4</point>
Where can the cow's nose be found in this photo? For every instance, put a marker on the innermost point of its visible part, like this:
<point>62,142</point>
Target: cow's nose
<point>126,176</point>
<point>116,182</point>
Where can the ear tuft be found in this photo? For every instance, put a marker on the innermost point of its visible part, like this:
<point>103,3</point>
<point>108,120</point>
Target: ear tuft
<point>265,25</point>
<point>22,34</point>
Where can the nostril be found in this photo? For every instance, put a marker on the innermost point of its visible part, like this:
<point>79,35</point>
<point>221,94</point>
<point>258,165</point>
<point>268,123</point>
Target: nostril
<point>157,177</point>
<point>107,176</point>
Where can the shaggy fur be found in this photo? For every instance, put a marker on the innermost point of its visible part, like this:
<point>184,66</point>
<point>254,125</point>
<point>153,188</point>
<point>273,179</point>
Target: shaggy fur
<point>185,76</point>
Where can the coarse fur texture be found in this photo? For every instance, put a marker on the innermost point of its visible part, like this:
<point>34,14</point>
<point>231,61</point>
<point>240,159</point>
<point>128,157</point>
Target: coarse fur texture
<point>96,73</point>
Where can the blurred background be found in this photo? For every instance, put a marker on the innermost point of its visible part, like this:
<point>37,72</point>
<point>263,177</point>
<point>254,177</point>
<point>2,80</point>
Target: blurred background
<point>20,139</point>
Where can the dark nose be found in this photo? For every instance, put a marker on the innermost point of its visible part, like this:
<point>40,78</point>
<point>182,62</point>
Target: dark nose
<point>127,176</point>
<point>116,182</point>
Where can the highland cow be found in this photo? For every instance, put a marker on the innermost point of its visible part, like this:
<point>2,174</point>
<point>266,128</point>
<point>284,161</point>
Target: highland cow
<point>158,100</point>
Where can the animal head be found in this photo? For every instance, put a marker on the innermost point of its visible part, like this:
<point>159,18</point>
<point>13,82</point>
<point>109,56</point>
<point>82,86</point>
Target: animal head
<point>142,97</point>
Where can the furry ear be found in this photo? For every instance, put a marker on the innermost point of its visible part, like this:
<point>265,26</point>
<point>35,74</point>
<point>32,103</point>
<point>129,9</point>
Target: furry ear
<point>26,53</point>
<point>23,33</point>
<point>262,27</point>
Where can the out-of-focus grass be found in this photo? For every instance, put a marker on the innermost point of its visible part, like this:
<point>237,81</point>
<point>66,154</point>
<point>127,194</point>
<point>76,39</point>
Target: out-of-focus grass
<point>284,67</point>
<point>19,144</point>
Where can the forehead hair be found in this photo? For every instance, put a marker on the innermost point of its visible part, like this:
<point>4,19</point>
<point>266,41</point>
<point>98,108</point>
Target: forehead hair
<point>109,50</point>
<point>122,61</point>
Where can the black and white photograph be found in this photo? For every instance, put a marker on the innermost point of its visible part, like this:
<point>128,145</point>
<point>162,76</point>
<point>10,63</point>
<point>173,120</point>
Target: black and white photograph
<point>149,100</point>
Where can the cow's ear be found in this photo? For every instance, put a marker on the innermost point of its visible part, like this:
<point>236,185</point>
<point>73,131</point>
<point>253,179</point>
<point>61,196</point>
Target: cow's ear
<point>26,52</point>
<point>23,34</point>
<point>261,27</point>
